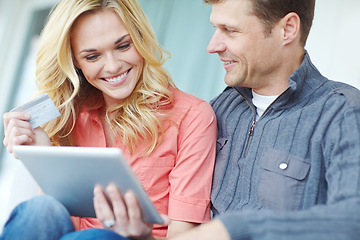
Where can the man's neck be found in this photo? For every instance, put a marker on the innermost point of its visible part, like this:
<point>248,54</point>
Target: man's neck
<point>278,82</point>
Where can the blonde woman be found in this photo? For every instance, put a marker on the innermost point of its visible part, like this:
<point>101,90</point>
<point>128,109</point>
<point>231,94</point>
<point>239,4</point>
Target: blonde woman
<point>100,63</point>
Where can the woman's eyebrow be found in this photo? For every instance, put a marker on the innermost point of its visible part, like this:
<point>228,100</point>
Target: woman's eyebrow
<point>88,50</point>
<point>120,39</point>
<point>94,50</point>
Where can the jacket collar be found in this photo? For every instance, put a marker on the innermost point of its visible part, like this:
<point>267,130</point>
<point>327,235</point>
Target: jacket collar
<point>302,83</point>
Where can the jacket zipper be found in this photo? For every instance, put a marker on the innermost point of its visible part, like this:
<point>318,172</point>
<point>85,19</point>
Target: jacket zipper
<point>251,130</point>
<point>252,124</point>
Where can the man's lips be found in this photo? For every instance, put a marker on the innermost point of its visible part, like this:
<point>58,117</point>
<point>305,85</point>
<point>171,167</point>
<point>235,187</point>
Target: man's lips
<point>227,63</point>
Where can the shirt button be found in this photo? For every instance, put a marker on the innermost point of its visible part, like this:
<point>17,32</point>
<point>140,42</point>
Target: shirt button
<point>283,166</point>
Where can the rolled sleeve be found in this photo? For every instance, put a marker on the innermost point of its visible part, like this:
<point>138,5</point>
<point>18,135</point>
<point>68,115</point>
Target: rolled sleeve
<point>184,208</point>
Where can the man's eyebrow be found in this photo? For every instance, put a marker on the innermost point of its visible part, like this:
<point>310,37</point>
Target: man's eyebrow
<point>116,42</point>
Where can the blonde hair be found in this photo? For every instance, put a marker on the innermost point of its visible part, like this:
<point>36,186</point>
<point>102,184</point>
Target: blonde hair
<point>140,115</point>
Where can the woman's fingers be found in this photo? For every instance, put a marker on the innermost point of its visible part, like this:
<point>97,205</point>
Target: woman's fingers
<point>17,130</point>
<point>7,117</point>
<point>103,208</point>
<point>120,210</point>
<point>124,210</point>
<point>128,215</point>
<point>134,210</point>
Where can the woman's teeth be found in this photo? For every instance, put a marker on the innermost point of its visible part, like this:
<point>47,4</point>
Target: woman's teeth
<point>117,79</point>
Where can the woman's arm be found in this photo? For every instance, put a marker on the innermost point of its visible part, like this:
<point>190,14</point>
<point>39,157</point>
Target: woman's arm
<point>213,230</point>
<point>177,227</point>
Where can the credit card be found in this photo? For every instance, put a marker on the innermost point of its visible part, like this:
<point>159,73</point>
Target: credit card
<point>41,109</point>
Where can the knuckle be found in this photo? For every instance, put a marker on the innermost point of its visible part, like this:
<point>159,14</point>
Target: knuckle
<point>120,213</point>
<point>101,219</point>
<point>16,131</point>
<point>16,141</point>
<point>6,116</point>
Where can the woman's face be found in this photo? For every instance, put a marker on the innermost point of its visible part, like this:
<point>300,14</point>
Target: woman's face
<point>104,51</point>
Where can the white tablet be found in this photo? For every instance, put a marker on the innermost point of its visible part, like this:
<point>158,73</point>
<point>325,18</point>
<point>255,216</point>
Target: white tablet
<point>69,174</point>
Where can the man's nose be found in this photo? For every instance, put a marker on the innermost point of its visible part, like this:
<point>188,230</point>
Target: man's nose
<point>216,44</point>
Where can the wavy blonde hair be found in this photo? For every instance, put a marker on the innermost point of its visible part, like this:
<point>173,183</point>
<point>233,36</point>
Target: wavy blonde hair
<point>140,115</point>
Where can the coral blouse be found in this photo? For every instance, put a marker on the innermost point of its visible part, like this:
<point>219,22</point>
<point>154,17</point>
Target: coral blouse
<point>177,175</point>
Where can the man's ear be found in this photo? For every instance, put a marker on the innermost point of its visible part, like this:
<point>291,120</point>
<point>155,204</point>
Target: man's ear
<point>291,27</point>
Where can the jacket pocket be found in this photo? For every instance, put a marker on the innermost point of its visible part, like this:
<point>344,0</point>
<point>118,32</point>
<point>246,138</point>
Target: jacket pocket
<point>282,181</point>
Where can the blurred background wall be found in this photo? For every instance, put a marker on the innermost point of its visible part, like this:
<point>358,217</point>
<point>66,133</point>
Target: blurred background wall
<point>183,28</point>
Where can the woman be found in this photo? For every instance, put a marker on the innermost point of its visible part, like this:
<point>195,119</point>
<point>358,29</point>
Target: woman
<point>100,63</point>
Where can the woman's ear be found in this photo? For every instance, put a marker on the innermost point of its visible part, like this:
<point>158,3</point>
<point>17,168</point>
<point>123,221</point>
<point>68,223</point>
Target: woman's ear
<point>291,27</point>
<point>75,62</point>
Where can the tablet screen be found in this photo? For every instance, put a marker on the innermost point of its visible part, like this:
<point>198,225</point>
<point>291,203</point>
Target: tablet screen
<point>69,174</point>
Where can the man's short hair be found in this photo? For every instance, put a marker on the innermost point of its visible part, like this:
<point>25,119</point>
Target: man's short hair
<point>271,11</point>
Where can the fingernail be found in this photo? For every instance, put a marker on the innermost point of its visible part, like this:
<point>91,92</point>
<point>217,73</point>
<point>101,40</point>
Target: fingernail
<point>129,196</point>
<point>96,191</point>
<point>111,189</point>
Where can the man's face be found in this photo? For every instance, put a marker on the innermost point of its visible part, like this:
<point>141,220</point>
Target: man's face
<point>250,59</point>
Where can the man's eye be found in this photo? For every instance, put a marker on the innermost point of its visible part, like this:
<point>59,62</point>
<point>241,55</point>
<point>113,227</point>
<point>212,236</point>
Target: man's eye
<point>229,30</point>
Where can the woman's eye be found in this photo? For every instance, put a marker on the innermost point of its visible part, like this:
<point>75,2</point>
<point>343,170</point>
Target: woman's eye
<point>123,46</point>
<point>91,57</point>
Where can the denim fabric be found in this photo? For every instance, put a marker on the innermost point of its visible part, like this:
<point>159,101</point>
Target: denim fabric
<point>44,218</point>
<point>40,218</point>
<point>93,234</point>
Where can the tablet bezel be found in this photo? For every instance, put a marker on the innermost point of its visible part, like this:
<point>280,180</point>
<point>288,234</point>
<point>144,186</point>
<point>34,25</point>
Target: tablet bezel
<point>69,174</point>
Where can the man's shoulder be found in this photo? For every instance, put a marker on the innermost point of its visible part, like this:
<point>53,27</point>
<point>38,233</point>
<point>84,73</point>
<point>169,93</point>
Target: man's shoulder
<point>344,91</point>
<point>349,93</point>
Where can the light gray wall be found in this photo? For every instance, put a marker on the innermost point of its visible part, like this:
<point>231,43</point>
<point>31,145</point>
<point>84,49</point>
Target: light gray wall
<point>334,41</point>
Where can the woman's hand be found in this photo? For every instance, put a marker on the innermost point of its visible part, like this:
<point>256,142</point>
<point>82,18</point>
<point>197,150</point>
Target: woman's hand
<point>18,131</point>
<point>121,214</point>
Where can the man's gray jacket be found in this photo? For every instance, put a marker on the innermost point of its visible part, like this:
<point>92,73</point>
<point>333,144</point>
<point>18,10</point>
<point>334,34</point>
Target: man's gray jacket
<point>295,172</point>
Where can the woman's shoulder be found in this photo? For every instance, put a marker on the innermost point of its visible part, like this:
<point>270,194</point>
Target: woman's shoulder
<point>185,102</point>
<point>186,99</point>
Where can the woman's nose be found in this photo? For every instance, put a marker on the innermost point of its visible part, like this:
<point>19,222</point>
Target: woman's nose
<point>112,64</point>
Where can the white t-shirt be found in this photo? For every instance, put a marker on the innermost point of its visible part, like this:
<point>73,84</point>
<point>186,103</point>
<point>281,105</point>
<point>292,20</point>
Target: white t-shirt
<point>261,103</point>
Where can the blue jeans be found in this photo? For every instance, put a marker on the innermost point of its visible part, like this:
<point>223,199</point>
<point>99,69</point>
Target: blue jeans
<point>44,218</point>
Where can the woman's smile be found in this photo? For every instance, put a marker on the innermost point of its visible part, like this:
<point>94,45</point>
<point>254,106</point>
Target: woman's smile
<point>117,80</point>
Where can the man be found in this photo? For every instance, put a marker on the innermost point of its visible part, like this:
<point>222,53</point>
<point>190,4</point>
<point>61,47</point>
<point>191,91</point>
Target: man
<point>288,157</point>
